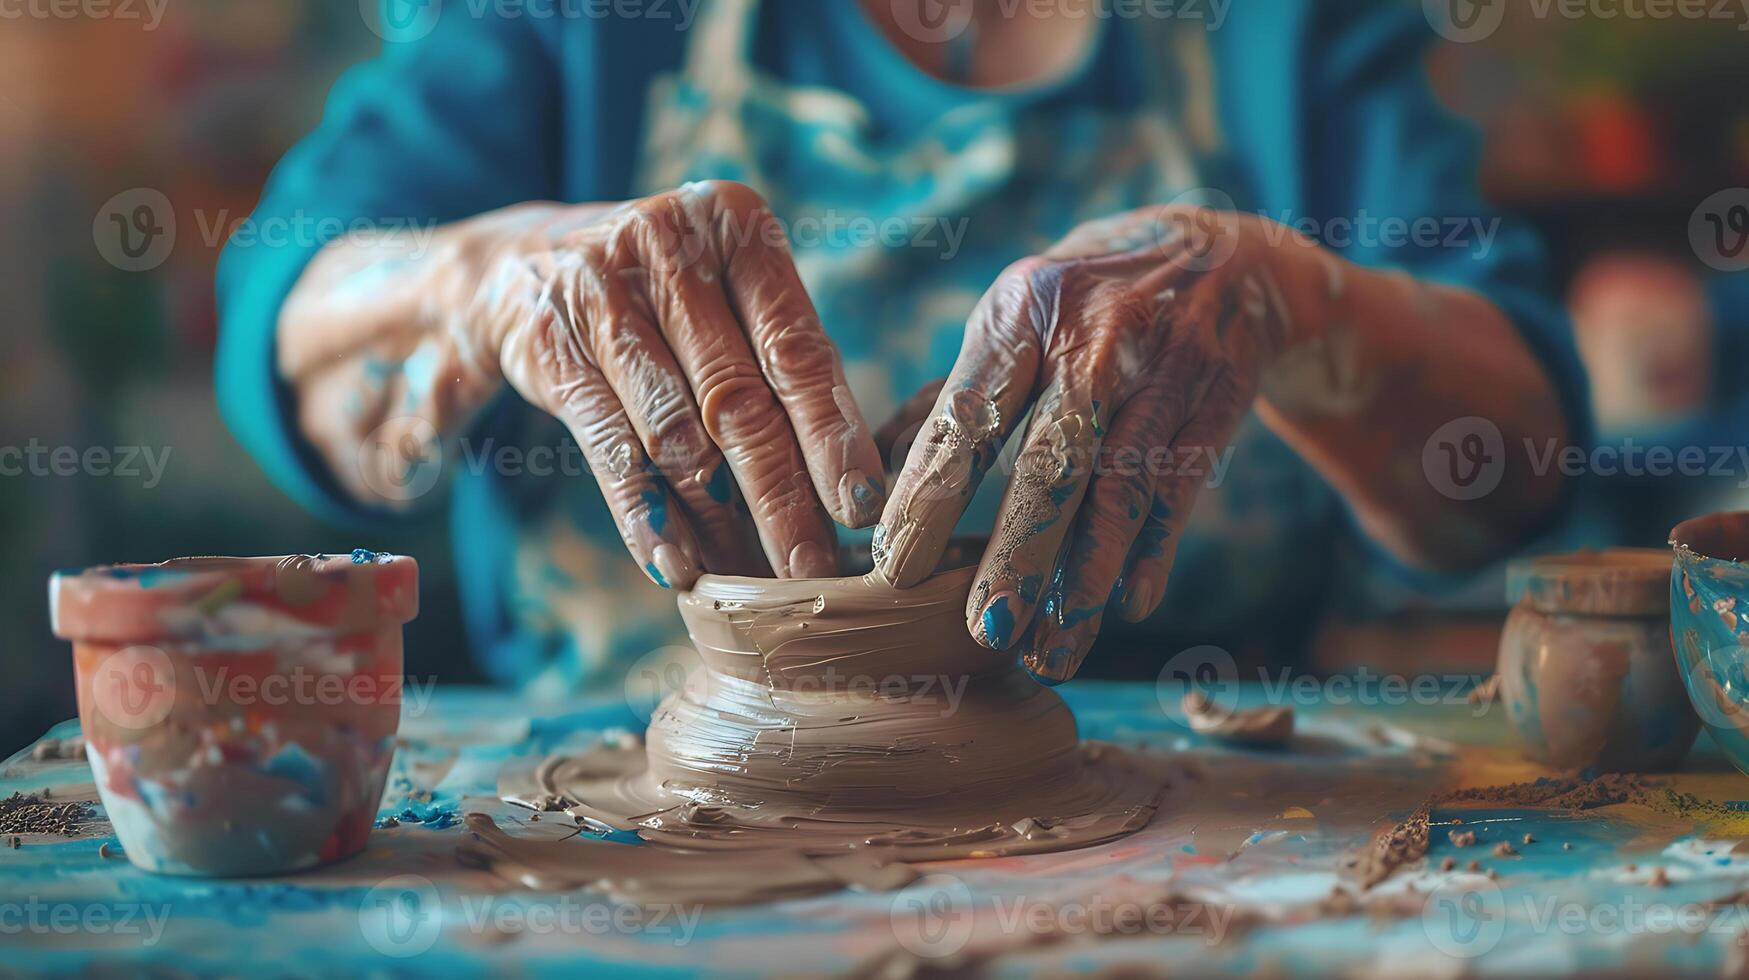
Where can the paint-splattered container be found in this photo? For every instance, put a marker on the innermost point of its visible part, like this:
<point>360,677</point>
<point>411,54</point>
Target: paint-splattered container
<point>1709,609</point>
<point>1586,675</point>
<point>239,713</point>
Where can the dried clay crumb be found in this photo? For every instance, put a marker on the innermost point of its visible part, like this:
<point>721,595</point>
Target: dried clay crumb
<point>1504,849</point>
<point>1463,838</point>
<point>1448,864</point>
<point>1528,839</point>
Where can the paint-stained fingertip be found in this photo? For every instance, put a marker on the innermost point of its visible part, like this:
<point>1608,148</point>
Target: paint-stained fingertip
<point>1140,598</point>
<point>1054,666</point>
<point>993,624</point>
<point>860,499</point>
<point>895,555</point>
<point>670,568</point>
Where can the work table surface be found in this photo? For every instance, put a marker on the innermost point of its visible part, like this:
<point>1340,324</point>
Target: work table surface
<point>1247,867</point>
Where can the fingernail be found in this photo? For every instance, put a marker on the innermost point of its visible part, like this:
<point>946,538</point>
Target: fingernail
<point>670,568</point>
<point>1055,657</point>
<point>809,560</point>
<point>860,499</point>
<point>1137,599</point>
<point>995,626</point>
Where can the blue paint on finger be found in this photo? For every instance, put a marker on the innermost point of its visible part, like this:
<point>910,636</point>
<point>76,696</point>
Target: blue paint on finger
<point>998,621</point>
<point>657,505</point>
<point>718,486</point>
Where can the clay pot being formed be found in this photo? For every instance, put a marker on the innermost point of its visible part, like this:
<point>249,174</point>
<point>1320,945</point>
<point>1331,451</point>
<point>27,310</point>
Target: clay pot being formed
<point>828,714</point>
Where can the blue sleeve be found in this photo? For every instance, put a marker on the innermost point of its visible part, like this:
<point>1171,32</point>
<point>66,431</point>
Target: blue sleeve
<point>1380,146</point>
<point>431,131</point>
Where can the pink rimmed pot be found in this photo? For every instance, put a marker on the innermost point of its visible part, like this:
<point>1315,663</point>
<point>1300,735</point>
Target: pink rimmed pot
<point>239,713</point>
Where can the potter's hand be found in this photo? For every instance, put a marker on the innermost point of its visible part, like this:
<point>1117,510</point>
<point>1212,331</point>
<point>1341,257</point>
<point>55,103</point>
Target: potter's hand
<point>1135,342</point>
<point>670,335</point>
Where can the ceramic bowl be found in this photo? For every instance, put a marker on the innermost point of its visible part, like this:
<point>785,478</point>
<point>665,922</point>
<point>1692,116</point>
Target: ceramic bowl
<point>1709,622</point>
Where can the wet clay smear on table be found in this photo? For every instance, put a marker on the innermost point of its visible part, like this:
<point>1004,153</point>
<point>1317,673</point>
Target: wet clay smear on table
<point>836,727</point>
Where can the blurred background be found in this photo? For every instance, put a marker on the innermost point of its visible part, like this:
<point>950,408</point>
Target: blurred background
<point>1625,141</point>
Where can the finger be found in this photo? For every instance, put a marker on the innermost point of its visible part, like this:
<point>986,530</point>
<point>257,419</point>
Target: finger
<point>657,400</point>
<point>1051,475</point>
<point>800,362</point>
<point>989,389</point>
<point>1150,559</point>
<point>895,436</point>
<point>1110,518</point>
<point>740,412</point>
<point>547,362</point>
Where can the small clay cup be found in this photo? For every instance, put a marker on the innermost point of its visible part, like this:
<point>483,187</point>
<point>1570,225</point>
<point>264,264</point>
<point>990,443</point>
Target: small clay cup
<point>239,713</point>
<point>1586,675</point>
<point>1709,613</point>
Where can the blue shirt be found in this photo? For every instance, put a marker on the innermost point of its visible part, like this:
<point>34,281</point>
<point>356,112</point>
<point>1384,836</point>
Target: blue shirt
<point>1322,109</point>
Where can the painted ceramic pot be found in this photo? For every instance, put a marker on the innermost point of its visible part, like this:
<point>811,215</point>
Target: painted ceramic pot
<point>1709,597</point>
<point>239,713</point>
<point>1586,675</point>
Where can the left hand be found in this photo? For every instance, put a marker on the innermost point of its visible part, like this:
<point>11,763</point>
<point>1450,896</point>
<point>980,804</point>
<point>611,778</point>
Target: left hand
<point>1135,341</point>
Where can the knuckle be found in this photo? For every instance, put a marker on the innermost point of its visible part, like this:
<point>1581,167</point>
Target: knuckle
<point>734,197</point>
<point>782,490</point>
<point>799,350</point>
<point>735,402</point>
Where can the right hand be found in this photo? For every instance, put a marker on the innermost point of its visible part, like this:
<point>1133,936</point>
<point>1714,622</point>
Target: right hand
<point>674,339</point>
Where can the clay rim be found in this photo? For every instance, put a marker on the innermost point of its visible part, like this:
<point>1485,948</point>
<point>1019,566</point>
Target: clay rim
<point>108,602</point>
<point>1707,540</point>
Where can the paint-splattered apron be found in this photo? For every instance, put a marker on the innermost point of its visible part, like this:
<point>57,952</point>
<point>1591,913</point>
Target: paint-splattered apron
<point>896,237</point>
